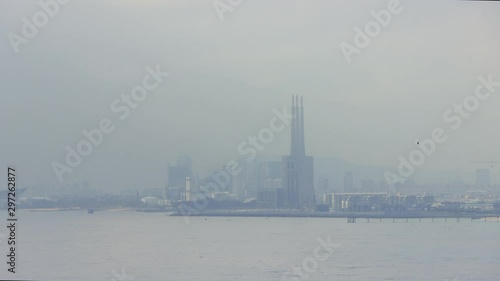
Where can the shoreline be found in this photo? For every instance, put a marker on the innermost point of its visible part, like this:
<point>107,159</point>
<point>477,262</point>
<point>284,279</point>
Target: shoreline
<point>409,215</point>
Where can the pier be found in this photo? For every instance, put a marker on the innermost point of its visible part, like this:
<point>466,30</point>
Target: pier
<point>351,217</point>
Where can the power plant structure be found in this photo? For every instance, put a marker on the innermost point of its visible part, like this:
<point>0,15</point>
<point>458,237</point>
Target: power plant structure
<point>298,178</point>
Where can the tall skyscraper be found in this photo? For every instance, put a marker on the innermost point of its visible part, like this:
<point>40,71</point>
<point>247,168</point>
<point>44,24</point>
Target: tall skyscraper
<point>298,178</point>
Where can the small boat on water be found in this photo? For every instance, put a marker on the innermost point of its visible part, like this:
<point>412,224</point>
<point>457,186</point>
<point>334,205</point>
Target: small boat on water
<point>90,211</point>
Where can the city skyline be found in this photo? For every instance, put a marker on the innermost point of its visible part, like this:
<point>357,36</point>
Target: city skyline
<point>367,112</point>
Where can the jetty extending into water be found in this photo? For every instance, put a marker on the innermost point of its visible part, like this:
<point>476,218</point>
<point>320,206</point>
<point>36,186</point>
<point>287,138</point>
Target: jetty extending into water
<point>351,217</point>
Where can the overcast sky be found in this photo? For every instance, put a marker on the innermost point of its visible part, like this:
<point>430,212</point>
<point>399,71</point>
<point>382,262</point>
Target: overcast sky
<point>227,76</point>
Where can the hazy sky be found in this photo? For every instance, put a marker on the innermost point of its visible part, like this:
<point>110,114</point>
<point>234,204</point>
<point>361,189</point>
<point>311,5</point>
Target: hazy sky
<point>227,76</point>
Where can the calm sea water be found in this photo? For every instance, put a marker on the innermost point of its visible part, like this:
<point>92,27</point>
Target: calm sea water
<point>151,246</point>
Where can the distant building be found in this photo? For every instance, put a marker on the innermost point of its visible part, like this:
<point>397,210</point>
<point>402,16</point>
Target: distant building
<point>328,199</point>
<point>262,172</point>
<point>270,195</point>
<point>358,202</point>
<point>269,174</point>
<point>271,170</point>
<point>271,198</point>
<point>298,176</point>
<point>377,201</point>
<point>245,184</point>
<point>482,178</point>
<point>348,182</point>
<point>238,183</point>
<point>322,186</point>
<point>273,183</point>
<point>150,201</point>
<point>188,193</point>
<point>177,175</point>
